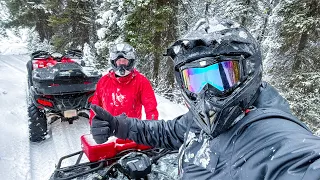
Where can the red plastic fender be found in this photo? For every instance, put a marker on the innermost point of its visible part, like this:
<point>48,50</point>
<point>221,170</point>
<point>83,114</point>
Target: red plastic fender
<point>95,151</point>
<point>109,149</point>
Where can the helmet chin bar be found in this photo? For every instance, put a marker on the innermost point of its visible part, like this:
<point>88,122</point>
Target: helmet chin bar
<point>122,70</point>
<point>212,114</point>
<point>227,110</point>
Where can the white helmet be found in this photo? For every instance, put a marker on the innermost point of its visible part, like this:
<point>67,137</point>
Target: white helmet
<point>122,50</point>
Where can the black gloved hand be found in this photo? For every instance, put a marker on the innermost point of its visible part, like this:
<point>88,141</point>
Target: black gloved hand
<point>103,124</point>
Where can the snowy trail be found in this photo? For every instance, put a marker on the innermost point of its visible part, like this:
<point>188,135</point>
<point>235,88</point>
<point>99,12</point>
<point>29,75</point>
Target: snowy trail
<point>14,149</point>
<point>64,139</point>
<point>15,63</point>
<point>20,159</point>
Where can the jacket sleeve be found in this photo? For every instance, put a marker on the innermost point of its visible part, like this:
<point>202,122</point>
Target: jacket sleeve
<point>278,149</point>
<point>161,134</point>
<point>148,100</point>
<point>96,99</point>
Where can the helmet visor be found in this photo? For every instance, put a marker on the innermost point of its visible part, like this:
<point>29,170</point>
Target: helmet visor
<point>222,75</point>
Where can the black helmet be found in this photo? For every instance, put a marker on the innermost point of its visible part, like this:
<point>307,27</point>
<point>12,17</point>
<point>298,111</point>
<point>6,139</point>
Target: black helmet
<point>122,50</point>
<point>218,66</point>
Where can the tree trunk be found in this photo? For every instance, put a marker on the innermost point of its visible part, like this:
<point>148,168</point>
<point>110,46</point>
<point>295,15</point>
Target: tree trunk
<point>171,37</point>
<point>157,56</point>
<point>245,15</point>
<point>301,46</point>
<point>265,23</point>
<point>45,31</point>
<point>157,43</point>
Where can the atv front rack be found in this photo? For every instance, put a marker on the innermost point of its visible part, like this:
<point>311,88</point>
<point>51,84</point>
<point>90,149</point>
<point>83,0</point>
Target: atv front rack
<point>106,167</point>
<point>105,160</point>
<point>64,173</point>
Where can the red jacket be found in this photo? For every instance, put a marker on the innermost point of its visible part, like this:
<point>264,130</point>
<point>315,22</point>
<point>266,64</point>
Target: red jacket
<point>126,95</point>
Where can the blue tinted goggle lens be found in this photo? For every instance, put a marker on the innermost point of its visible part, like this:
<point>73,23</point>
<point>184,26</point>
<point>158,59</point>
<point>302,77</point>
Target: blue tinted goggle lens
<point>223,76</point>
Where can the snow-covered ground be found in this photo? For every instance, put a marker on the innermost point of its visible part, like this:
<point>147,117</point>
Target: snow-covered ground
<point>20,159</point>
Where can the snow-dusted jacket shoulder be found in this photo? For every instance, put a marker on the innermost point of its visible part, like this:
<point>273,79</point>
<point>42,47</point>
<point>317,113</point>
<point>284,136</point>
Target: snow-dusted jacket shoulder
<point>268,143</point>
<point>126,95</point>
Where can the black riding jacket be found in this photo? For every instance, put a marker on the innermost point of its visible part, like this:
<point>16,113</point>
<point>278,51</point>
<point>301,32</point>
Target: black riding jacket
<point>267,143</point>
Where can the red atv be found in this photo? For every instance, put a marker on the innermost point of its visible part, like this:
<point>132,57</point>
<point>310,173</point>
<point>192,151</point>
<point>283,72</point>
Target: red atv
<point>59,87</point>
<point>133,160</point>
<point>43,59</point>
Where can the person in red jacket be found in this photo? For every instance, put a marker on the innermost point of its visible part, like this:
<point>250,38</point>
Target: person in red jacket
<point>124,89</point>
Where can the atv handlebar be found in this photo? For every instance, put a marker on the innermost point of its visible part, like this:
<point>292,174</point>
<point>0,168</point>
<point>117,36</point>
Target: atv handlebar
<point>134,165</point>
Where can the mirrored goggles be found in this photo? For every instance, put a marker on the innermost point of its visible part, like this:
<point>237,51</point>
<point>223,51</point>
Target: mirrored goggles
<point>222,75</point>
<point>121,54</point>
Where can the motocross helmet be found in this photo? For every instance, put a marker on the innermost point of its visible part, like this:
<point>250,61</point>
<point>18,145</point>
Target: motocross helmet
<point>122,50</point>
<point>218,67</point>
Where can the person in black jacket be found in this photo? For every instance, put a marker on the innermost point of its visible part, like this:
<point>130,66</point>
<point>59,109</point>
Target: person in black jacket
<point>237,127</point>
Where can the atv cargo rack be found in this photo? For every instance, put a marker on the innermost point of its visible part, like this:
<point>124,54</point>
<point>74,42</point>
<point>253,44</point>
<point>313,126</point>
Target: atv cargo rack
<point>65,78</point>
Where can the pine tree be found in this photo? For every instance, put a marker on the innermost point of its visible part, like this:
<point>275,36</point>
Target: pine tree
<point>151,28</point>
<point>4,16</point>
<point>29,14</point>
<point>110,20</point>
<point>300,33</point>
<point>72,22</point>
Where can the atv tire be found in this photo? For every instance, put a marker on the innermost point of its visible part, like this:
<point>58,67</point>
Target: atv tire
<point>29,71</point>
<point>37,124</point>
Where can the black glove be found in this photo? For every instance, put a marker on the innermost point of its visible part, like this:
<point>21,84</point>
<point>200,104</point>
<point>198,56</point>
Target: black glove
<point>103,124</point>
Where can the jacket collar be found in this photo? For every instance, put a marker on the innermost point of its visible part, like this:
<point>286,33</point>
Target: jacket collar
<point>269,97</point>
